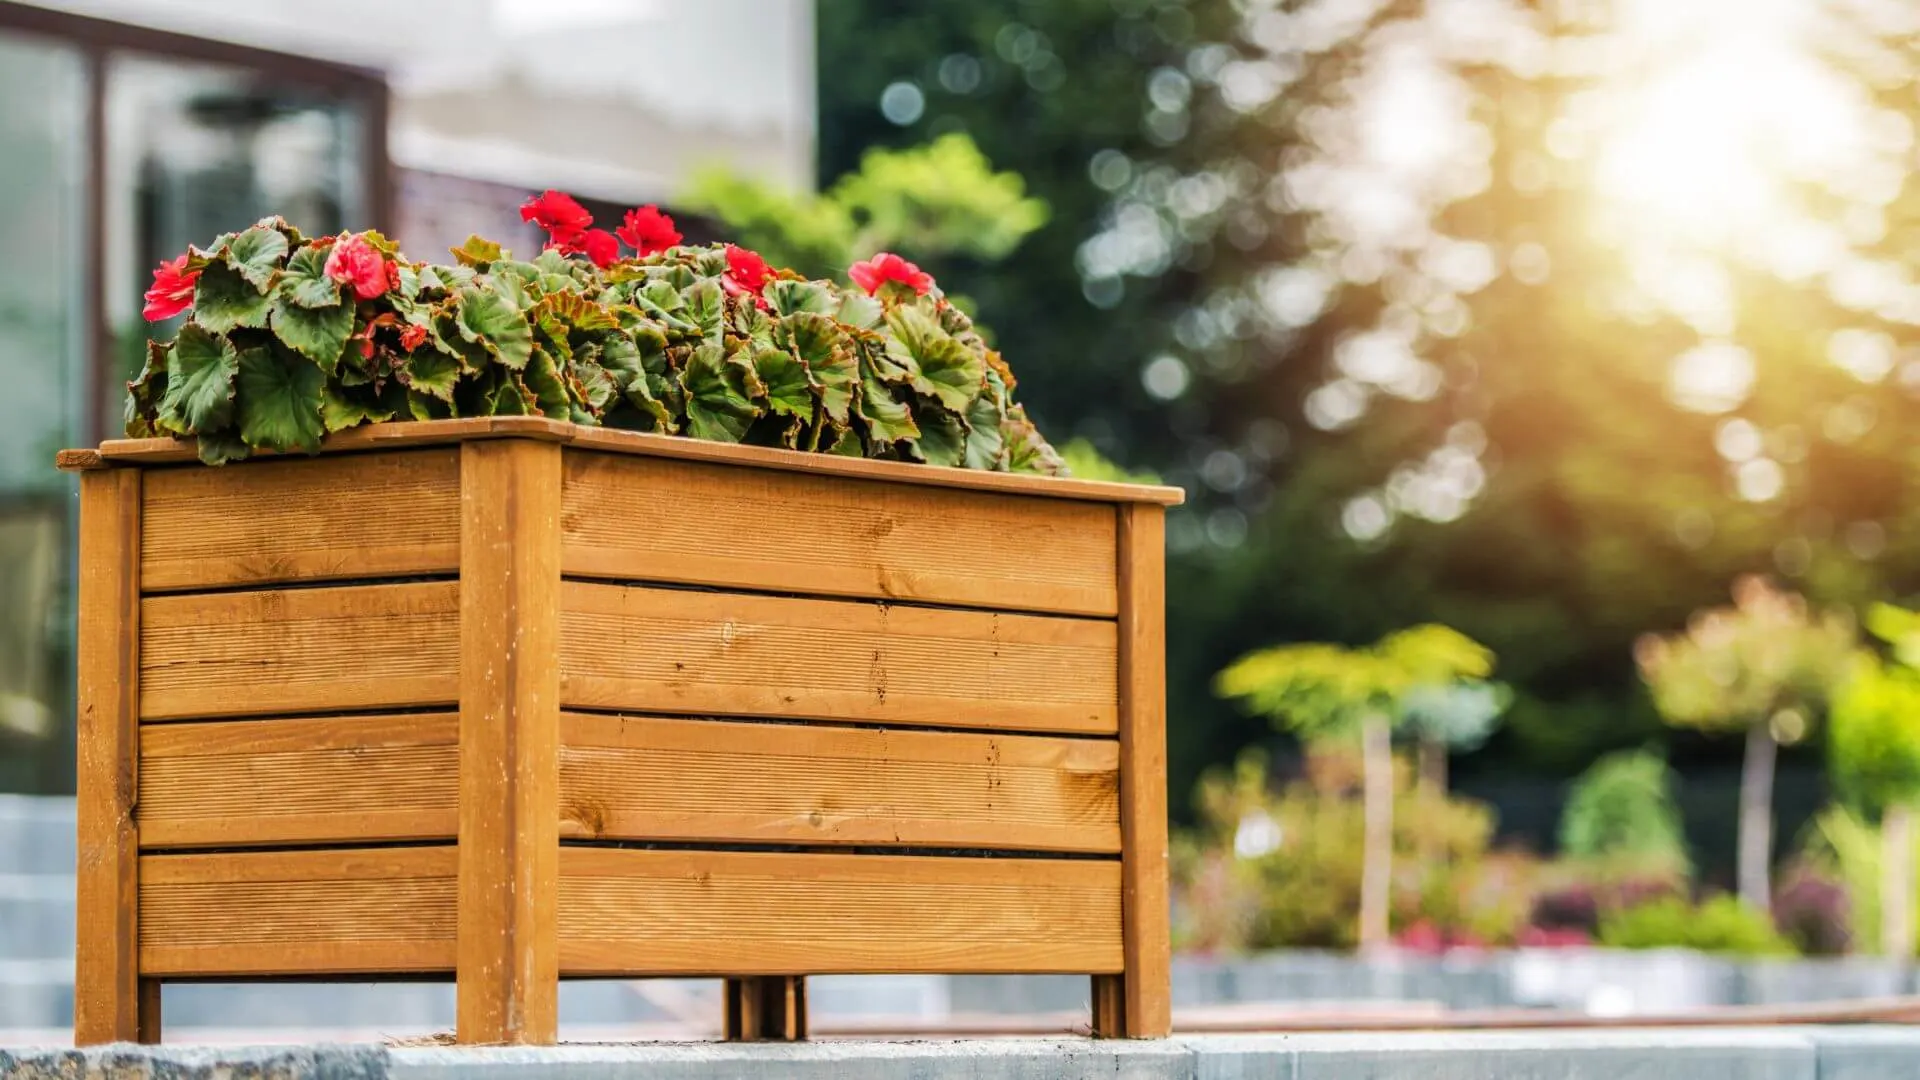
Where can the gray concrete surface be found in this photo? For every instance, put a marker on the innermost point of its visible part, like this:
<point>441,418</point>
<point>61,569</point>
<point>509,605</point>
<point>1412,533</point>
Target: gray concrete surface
<point>1651,1054</point>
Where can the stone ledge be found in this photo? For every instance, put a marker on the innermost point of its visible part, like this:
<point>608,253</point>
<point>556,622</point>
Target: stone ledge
<point>1826,1053</point>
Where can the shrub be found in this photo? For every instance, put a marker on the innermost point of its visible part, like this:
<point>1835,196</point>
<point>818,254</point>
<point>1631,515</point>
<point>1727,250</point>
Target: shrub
<point>1812,911</point>
<point>1623,808</point>
<point>1721,925</point>
<point>292,338</point>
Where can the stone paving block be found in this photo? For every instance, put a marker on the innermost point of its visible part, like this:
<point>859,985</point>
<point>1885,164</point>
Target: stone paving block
<point>1649,1054</point>
<point>1866,1053</point>
<point>197,1063</point>
<point>986,1059</point>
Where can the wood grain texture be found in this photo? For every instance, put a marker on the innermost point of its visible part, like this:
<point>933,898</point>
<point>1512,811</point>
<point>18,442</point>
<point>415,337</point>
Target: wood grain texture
<point>442,432</point>
<point>258,523</point>
<point>764,1008</point>
<point>1146,990</point>
<point>328,912</point>
<point>299,650</point>
<point>300,781</point>
<point>680,651</point>
<point>635,913</point>
<point>651,519</point>
<point>509,980</point>
<point>652,778</point>
<point>106,1005</point>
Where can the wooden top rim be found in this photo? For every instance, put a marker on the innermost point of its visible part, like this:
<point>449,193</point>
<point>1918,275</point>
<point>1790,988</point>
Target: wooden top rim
<point>142,452</point>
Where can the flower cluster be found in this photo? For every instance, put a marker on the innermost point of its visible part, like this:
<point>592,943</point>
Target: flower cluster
<point>291,338</point>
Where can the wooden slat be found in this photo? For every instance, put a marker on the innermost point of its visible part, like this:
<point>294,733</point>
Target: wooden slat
<point>278,781</point>
<point>651,519</point>
<point>442,432</point>
<point>107,998</point>
<point>1143,1000</point>
<point>372,911</point>
<point>509,979</point>
<point>299,650</point>
<point>633,913</point>
<point>665,779</point>
<point>727,654</point>
<point>764,1008</point>
<point>355,516</point>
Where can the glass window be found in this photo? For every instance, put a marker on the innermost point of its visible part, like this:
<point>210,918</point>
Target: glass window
<point>195,150</point>
<point>43,96</point>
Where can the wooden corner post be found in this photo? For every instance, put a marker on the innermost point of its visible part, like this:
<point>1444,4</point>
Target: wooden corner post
<point>1135,1004</point>
<point>111,1003</point>
<point>507,952</point>
<point>766,1008</point>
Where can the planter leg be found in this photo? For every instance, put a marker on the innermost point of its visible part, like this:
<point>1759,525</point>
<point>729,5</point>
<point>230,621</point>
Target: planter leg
<point>766,1008</point>
<point>1135,1004</point>
<point>111,1003</point>
<point>507,956</point>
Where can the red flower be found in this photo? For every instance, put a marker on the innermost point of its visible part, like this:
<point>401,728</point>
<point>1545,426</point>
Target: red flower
<point>596,244</point>
<point>354,261</point>
<point>885,267</point>
<point>746,272</point>
<point>647,230</point>
<point>413,337</point>
<point>562,217</point>
<point>172,291</point>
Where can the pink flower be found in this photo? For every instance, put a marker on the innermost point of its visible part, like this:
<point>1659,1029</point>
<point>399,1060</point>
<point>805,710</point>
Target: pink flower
<point>353,261</point>
<point>647,230</point>
<point>557,213</point>
<point>172,291</point>
<point>885,267</point>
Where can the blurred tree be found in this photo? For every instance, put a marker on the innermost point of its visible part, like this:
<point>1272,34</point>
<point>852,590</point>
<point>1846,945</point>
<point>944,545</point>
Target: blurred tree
<point>1762,667</point>
<point>1507,316</point>
<point>1874,747</point>
<point>1326,693</point>
<point>1621,813</point>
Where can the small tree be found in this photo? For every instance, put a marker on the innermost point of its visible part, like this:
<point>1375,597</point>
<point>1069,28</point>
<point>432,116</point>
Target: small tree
<point>1325,692</point>
<point>1874,750</point>
<point>1763,667</point>
<point>1451,718</point>
<point>1622,810</point>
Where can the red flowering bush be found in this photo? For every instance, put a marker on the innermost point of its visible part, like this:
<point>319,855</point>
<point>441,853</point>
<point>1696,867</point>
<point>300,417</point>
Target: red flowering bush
<point>292,338</point>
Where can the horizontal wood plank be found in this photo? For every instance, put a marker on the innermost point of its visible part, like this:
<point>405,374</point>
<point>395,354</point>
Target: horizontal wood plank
<point>442,432</point>
<point>299,650</point>
<point>298,781</point>
<point>257,523</point>
<point>728,654</point>
<point>653,778</point>
<point>371,911</point>
<point>650,519</point>
<point>633,913</point>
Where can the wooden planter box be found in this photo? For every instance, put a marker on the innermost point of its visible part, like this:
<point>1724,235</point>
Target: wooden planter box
<point>511,701</point>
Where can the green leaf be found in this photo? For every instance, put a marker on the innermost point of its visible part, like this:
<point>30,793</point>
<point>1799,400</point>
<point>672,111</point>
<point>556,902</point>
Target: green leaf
<point>718,405</point>
<point>788,390</point>
<point>256,253</point>
<point>279,401</point>
<point>986,445</point>
<point>144,393</point>
<point>477,252</point>
<point>942,441</point>
<point>829,355</point>
<point>221,447</point>
<point>318,333</point>
<point>939,365</point>
<point>846,443</point>
<point>560,312</point>
<point>790,297</point>
<point>430,372</point>
<point>222,300</point>
<point>514,399</point>
<point>305,281</point>
<point>341,409</point>
<point>422,407</point>
<point>488,320</point>
<point>200,373</point>
<point>707,308</point>
<point>888,419</point>
<point>859,309</point>
<point>549,389</point>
